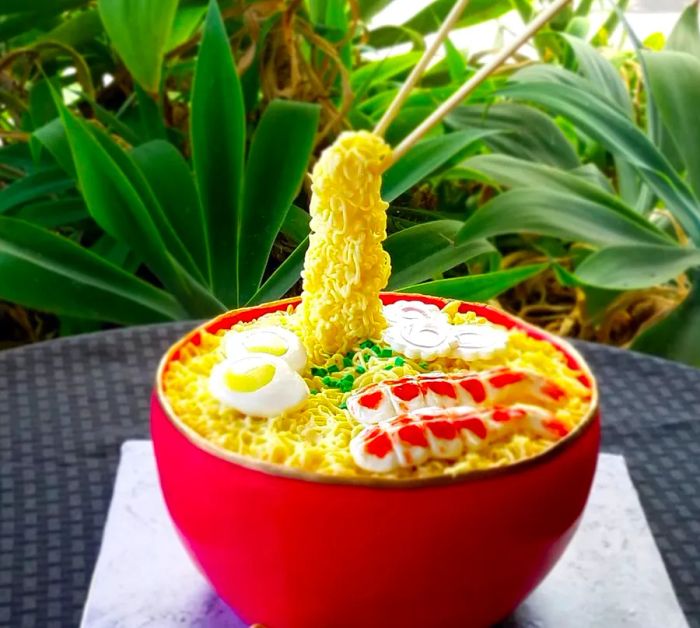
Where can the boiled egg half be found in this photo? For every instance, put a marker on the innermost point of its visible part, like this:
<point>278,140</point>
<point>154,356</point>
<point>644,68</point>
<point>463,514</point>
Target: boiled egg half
<point>273,341</point>
<point>257,385</point>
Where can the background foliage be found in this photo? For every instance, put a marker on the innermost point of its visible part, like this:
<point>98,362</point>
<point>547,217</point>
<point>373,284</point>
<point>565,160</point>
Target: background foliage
<point>154,154</point>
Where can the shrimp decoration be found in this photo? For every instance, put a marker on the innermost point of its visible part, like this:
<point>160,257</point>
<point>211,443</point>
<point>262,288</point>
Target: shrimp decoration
<point>444,433</point>
<point>414,419</point>
<point>345,266</point>
<point>500,386</point>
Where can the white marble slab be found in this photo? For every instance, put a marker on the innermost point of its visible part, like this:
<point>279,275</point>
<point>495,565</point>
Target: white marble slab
<point>612,574</point>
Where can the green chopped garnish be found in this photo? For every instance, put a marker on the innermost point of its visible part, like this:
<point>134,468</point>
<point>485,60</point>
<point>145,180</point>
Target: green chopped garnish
<point>377,350</point>
<point>386,353</point>
<point>348,377</point>
<point>347,361</point>
<point>399,361</point>
<point>424,365</point>
<point>367,344</point>
<point>329,381</point>
<point>343,406</point>
<point>313,391</point>
<point>388,367</point>
<point>350,354</point>
<point>332,368</point>
<point>318,371</point>
<point>345,386</point>
<point>360,369</point>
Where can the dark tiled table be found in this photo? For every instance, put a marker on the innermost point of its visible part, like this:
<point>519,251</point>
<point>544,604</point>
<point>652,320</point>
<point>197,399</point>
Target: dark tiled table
<point>67,405</point>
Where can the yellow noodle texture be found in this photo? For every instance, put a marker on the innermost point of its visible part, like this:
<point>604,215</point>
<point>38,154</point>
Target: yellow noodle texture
<point>345,266</point>
<point>316,435</point>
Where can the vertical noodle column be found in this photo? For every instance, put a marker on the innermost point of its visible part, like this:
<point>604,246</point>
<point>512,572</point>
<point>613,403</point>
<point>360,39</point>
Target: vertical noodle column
<point>345,266</point>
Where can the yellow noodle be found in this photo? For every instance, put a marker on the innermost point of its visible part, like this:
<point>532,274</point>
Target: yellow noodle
<point>316,435</point>
<point>345,265</point>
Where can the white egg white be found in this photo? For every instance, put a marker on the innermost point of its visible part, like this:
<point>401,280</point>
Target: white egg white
<point>281,389</point>
<point>239,344</point>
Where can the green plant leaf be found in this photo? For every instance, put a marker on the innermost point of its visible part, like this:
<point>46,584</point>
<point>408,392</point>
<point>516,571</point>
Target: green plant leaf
<point>150,116</point>
<point>557,214</point>
<point>52,214</point>
<point>600,72</point>
<point>49,272</point>
<point>296,224</point>
<point>685,36</point>
<point>426,157</point>
<point>456,63</point>
<point>119,210</point>
<point>53,136</point>
<point>376,72</point>
<point>423,251</point>
<point>369,8</point>
<point>284,277</point>
<point>520,173</point>
<point>139,30</point>
<point>171,181</point>
<point>77,29</point>
<point>33,186</point>
<point>675,82</point>
<point>125,162</point>
<point>607,125</point>
<point>636,267</point>
<point>277,162</point>
<point>527,132</point>
<point>677,336</point>
<point>429,19</point>
<point>218,145</point>
<point>477,287</point>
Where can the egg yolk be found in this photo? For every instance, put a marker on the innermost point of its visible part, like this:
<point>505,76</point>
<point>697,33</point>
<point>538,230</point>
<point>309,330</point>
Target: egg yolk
<point>269,343</point>
<point>251,380</point>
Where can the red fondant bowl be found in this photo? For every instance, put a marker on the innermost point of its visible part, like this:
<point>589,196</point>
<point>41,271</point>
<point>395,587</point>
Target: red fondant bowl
<point>293,549</point>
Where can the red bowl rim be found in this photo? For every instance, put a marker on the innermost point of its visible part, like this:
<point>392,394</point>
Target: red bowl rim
<point>280,470</point>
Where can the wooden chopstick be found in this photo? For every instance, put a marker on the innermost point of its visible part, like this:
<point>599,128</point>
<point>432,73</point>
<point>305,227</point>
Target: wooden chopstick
<point>410,140</point>
<point>417,71</point>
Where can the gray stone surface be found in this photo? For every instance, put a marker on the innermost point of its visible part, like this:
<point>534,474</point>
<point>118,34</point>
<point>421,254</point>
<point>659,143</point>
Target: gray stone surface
<point>611,574</point>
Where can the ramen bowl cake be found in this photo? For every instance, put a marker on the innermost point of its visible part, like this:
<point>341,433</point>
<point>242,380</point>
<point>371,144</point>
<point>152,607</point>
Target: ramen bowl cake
<point>359,458</point>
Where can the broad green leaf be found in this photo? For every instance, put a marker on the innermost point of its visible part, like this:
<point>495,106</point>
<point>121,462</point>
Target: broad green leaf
<point>42,108</point>
<point>31,6</point>
<point>284,277</point>
<point>520,173</point>
<point>557,214</point>
<point>49,272</point>
<point>407,120</point>
<point>125,162</point>
<point>369,8</point>
<point>139,30</point>
<point>119,210</point>
<point>277,162</point>
<point>636,267</point>
<point>607,125</point>
<point>150,116</point>
<point>685,36</point>
<point>675,82</point>
<point>677,336</point>
<point>377,72</point>
<point>187,19</point>
<point>33,186</point>
<point>430,18</point>
<point>426,157</point>
<point>170,179</point>
<point>477,287</point>
<point>77,29</point>
<point>424,251</point>
<point>218,144</point>
<point>456,63</point>
<point>392,35</point>
<point>296,224</point>
<point>53,137</point>
<point>600,72</point>
<point>527,132</point>
<point>52,214</point>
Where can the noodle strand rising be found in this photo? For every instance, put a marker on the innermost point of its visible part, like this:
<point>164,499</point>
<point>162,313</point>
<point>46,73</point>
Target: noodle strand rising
<point>345,266</point>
